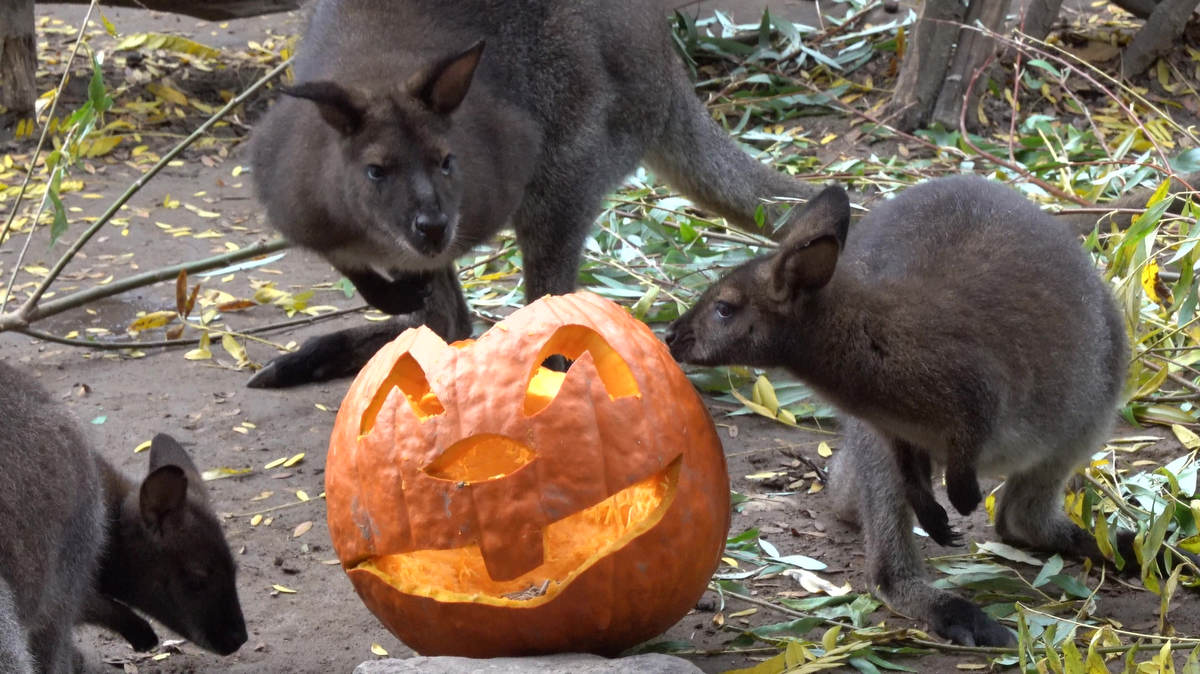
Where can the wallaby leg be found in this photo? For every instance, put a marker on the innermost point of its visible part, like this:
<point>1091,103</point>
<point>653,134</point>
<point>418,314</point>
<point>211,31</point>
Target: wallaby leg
<point>103,611</point>
<point>14,647</point>
<point>342,353</point>
<point>962,485</point>
<point>699,158</point>
<point>1030,512</point>
<point>895,565</point>
<point>551,228</point>
<point>915,472</point>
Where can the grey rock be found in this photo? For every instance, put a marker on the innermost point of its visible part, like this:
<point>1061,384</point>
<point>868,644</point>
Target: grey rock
<point>565,663</point>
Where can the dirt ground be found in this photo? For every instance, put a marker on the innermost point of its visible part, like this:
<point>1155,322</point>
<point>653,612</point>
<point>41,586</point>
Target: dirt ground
<point>320,625</point>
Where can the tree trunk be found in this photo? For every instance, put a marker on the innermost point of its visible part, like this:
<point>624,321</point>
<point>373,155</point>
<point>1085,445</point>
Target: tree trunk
<point>18,56</point>
<point>973,50</point>
<point>1158,36</point>
<point>209,10</point>
<point>924,64</point>
<point>1040,17</point>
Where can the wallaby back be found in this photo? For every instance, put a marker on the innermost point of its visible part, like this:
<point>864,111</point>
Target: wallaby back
<point>84,543</point>
<point>51,525</point>
<point>418,129</point>
<point>961,323</point>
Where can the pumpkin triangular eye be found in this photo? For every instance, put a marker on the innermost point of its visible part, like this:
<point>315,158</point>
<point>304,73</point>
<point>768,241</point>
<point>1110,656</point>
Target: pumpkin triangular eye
<point>570,342</point>
<point>407,376</point>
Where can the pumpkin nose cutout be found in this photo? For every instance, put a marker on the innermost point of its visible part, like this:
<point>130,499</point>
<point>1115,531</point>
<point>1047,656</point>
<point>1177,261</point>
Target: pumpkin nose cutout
<point>479,459</point>
<point>489,467</point>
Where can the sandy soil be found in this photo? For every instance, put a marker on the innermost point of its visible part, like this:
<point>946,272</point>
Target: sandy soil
<point>322,626</point>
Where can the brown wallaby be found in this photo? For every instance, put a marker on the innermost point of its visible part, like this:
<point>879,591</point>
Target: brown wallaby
<point>418,129</point>
<point>958,322</point>
<point>82,543</point>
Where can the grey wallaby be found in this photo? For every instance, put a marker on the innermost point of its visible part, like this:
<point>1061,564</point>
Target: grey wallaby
<point>956,322</point>
<point>418,129</point>
<point>83,543</point>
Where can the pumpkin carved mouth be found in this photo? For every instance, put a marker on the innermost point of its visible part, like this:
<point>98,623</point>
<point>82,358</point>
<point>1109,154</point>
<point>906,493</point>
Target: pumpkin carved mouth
<point>570,546</point>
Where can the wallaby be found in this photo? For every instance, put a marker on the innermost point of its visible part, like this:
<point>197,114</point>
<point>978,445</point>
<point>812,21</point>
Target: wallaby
<point>960,323</point>
<point>82,543</point>
<point>418,129</point>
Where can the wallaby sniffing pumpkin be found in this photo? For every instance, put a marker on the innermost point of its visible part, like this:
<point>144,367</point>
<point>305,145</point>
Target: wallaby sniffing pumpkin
<point>417,129</point>
<point>83,543</point>
<point>958,322</point>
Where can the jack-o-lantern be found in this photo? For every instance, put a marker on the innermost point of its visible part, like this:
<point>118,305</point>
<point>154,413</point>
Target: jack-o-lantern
<point>484,505</point>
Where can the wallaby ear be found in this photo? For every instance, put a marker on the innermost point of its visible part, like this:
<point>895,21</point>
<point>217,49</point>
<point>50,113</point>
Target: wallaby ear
<point>166,451</point>
<point>341,108</point>
<point>808,255</point>
<point>163,492</point>
<point>443,86</point>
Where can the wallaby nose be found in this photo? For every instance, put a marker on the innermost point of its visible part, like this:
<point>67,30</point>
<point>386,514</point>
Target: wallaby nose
<point>431,227</point>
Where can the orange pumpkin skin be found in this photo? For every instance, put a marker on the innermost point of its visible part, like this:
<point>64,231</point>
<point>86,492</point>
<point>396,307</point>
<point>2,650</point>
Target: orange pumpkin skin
<point>462,497</point>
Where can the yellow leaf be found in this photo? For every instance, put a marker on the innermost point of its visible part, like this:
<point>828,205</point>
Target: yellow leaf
<point>283,590</point>
<point>276,463</point>
<point>378,650</point>
<point>100,146</point>
<point>254,521</point>
<point>302,528</point>
<point>167,93</point>
<point>1186,436</point>
<point>202,351</point>
<point>234,348</point>
<point>111,29</point>
<point>156,319</point>
<point>824,450</point>
<point>174,43</point>
<point>294,460</point>
<point>301,494</point>
<point>729,561</point>
<point>142,447</point>
<point>1150,281</point>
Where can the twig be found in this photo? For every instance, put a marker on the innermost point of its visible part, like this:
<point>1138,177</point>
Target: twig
<point>29,309</point>
<point>19,320</point>
<point>12,216</point>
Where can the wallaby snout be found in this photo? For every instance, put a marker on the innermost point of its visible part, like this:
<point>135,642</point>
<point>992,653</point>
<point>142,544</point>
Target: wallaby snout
<point>430,227</point>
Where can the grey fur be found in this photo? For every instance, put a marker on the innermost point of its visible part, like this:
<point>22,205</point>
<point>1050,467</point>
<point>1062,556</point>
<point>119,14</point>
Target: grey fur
<point>82,543</point>
<point>566,99</point>
<point>956,320</point>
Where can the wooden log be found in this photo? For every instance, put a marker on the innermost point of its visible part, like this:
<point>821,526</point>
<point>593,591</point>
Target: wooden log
<point>1160,34</point>
<point>924,64</point>
<point>18,56</point>
<point>972,52</point>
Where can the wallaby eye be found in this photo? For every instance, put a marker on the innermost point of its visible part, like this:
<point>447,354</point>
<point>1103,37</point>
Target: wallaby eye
<point>448,164</point>
<point>375,173</point>
<point>724,309</point>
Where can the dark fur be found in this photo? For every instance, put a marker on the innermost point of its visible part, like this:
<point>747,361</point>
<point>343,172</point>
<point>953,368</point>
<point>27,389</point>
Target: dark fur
<point>82,543</point>
<point>559,103</point>
<point>960,323</point>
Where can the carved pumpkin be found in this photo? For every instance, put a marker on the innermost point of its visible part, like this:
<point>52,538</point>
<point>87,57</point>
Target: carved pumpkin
<point>483,505</point>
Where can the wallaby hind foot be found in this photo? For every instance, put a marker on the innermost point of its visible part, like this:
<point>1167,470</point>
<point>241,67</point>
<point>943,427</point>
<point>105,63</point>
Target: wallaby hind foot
<point>865,482</point>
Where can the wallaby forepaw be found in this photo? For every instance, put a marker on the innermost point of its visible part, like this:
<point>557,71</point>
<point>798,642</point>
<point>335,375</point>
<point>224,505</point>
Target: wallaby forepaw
<point>318,359</point>
<point>933,519</point>
<point>964,623</point>
<point>963,490</point>
<point>140,635</point>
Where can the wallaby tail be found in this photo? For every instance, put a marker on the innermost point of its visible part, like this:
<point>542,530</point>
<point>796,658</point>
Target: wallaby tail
<point>1121,212</point>
<point>699,158</point>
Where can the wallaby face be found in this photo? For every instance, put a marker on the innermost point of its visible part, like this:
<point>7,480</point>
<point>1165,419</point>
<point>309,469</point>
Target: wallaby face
<point>167,555</point>
<point>398,172</point>
<point>440,145</point>
<point>749,315</point>
<point>956,323</point>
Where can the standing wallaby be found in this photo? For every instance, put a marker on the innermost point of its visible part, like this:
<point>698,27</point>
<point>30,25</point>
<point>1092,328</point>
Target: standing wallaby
<point>958,322</point>
<point>419,128</point>
<point>82,543</point>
